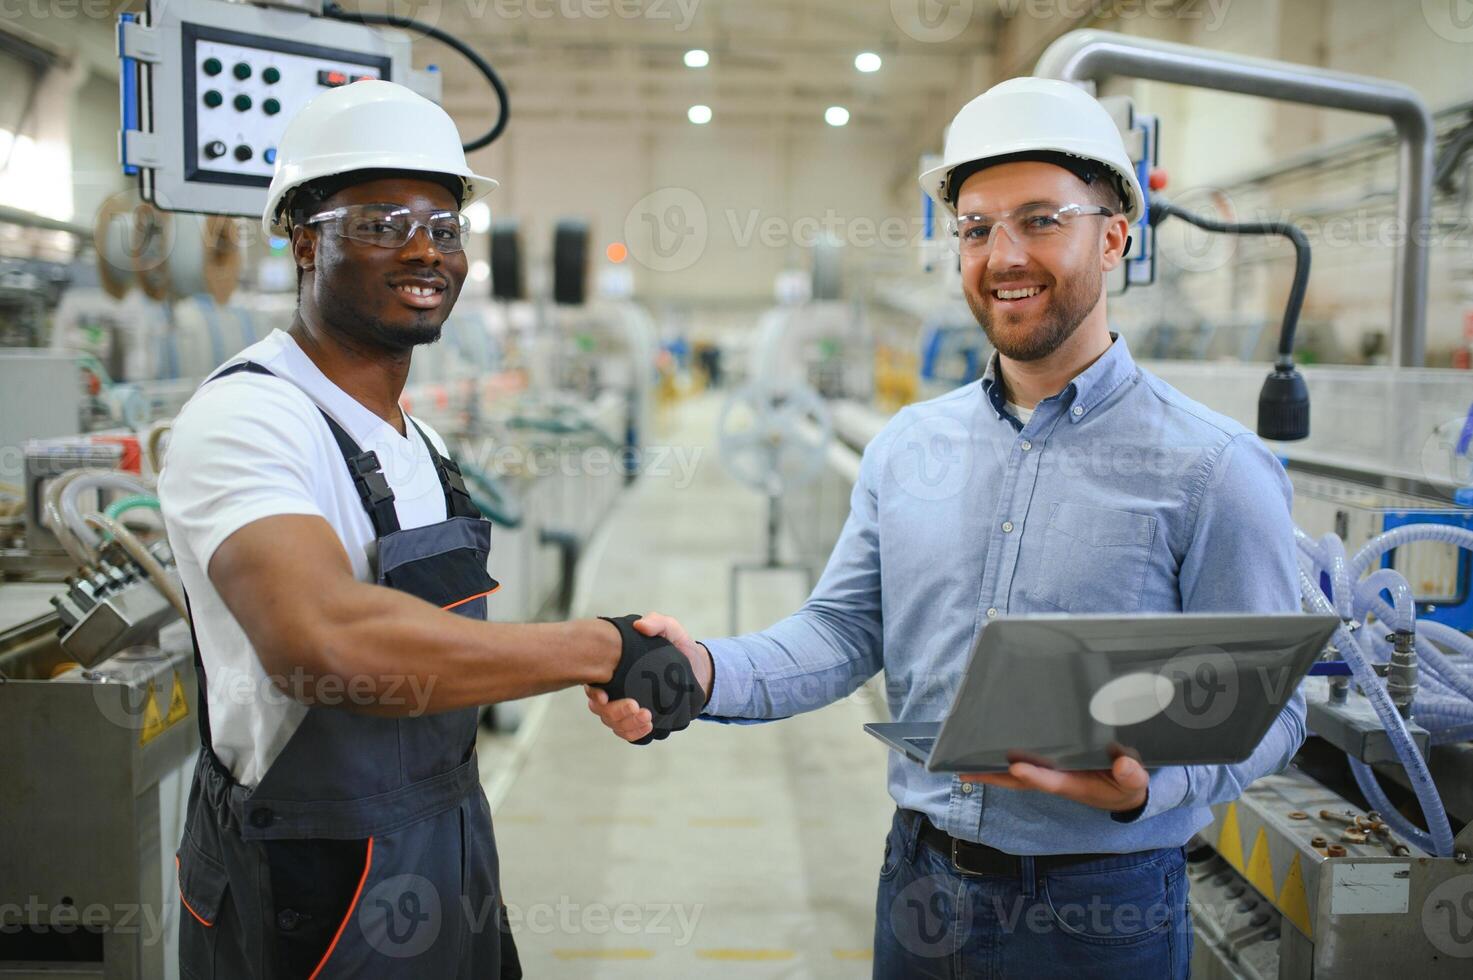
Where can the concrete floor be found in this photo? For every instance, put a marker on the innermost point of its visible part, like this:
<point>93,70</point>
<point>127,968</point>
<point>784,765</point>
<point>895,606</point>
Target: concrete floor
<point>724,851</point>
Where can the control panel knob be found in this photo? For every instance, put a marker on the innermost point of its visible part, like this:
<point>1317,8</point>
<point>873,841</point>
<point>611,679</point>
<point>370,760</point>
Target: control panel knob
<point>243,153</point>
<point>214,149</point>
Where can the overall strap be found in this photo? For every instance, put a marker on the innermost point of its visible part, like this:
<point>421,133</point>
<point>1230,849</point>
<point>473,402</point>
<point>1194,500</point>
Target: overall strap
<point>457,498</point>
<point>368,478</point>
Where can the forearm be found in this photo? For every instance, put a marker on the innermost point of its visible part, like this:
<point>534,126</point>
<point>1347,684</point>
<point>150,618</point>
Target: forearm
<point>381,651</point>
<point>1191,786</point>
<point>808,660</point>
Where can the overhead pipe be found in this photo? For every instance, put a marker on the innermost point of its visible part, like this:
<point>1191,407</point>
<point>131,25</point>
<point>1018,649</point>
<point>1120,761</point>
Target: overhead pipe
<point>1092,56</point>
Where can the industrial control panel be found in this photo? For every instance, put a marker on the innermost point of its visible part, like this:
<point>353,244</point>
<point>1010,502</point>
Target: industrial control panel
<point>1142,136</point>
<point>208,87</point>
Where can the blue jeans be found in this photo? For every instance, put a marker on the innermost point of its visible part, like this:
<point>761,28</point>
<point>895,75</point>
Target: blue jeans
<point>1119,916</point>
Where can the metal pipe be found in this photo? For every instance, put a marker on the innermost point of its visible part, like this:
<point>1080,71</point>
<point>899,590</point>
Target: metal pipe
<point>1091,56</point>
<point>27,219</point>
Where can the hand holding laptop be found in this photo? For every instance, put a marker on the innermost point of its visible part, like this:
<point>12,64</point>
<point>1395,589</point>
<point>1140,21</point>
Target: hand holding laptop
<point>1120,788</point>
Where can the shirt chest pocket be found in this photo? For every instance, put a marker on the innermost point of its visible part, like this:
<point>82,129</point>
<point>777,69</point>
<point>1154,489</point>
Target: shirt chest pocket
<point>1093,559</point>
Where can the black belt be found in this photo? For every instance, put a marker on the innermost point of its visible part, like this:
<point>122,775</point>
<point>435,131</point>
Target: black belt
<point>970,857</point>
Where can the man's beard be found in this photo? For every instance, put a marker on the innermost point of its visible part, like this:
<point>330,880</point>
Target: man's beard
<point>349,317</point>
<point>1069,302</point>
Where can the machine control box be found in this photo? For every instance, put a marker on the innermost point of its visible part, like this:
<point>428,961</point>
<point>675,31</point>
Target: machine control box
<point>207,88</point>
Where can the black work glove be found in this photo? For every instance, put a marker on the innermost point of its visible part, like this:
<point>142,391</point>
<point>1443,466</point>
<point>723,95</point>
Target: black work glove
<point>657,676</point>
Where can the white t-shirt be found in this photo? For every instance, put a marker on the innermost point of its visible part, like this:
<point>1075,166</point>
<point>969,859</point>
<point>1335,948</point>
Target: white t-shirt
<point>1023,414</point>
<point>251,446</point>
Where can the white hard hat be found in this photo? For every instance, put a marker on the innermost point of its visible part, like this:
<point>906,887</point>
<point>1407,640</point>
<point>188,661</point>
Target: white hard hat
<point>1033,115</point>
<point>367,125</point>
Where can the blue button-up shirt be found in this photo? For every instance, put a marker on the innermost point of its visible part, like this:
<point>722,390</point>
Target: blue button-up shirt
<point>1120,495</point>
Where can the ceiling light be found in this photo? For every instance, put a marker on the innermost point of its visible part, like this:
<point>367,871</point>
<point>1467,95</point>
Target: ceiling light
<point>699,114</point>
<point>867,61</point>
<point>697,58</point>
<point>836,115</point>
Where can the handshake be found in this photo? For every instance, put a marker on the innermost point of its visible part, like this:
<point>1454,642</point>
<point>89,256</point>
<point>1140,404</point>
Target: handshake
<point>660,684</point>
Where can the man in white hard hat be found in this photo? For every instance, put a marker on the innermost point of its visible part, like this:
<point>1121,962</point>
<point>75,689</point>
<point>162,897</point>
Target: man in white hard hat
<point>337,573</point>
<point>1067,479</point>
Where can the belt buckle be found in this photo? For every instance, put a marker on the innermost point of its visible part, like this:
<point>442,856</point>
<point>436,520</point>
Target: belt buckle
<point>955,864</point>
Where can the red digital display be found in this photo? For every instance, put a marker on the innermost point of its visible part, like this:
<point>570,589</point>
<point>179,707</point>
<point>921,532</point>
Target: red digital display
<point>332,79</point>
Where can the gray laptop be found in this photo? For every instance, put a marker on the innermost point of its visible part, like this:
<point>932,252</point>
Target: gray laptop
<point>1074,692</point>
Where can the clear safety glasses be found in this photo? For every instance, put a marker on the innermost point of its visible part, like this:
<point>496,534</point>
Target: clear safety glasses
<point>1032,225</point>
<point>391,226</point>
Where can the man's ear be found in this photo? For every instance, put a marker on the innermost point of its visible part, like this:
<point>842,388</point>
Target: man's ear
<point>1117,242</point>
<point>304,248</point>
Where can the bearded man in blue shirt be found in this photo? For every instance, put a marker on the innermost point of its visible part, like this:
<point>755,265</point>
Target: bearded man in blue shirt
<point>1067,479</point>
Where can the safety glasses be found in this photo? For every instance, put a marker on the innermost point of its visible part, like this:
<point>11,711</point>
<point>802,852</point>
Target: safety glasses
<point>391,225</point>
<point>1031,225</point>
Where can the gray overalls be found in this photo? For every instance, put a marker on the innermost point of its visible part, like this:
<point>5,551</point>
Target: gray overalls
<point>366,850</point>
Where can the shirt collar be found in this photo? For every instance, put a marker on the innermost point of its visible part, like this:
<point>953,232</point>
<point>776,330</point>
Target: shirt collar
<point>1085,392</point>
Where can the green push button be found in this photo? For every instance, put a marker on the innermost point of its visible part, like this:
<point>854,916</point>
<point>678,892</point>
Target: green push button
<point>213,99</point>
<point>242,102</point>
<point>271,76</point>
<point>242,70</point>
<point>271,106</point>
<point>213,66</point>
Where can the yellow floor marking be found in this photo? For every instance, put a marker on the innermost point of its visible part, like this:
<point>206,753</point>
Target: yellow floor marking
<point>604,954</point>
<point>749,955</point>
<point>727,822</point>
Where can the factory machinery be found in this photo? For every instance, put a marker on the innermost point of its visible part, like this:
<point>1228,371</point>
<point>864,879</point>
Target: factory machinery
<point>543,399</point>
<point>1357,861</point>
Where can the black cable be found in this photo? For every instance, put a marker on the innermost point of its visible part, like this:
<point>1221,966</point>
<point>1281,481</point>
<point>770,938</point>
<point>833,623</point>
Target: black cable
<point>1161,209</point>
<point>1283,403</point>
<point>336,12</point>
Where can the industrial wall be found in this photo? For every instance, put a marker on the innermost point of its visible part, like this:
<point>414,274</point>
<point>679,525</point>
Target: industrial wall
<point>717,211</point>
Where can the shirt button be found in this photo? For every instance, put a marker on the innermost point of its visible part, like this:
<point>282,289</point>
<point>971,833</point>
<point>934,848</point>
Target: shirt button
<point>992,614</point>
<point>1027,445</point>
<point>287,920</point>
<point>967,788</point>
<point>1007,527</point>
<point>1078,410</point>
